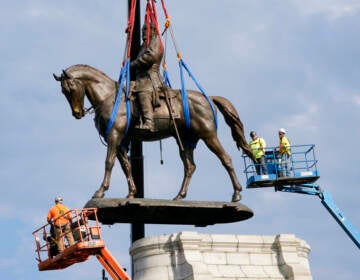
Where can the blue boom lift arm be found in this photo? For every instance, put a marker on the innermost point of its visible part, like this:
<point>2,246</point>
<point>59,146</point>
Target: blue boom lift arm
<point>329,204</point>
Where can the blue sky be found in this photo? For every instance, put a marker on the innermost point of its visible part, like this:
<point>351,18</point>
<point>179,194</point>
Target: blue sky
<point>292,64</point>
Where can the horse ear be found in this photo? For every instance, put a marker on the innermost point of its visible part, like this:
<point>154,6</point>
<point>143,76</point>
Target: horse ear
<point>57,78</point>
<point>66,75</point>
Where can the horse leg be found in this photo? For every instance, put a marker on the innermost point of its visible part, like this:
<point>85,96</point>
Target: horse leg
<point>109,163</point>
<point>215,146</point>
<point>126,167</point>
<point>187,157</point>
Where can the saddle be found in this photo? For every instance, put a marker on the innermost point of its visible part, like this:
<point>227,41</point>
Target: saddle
<point>160,104</point>
<point>161,113</point>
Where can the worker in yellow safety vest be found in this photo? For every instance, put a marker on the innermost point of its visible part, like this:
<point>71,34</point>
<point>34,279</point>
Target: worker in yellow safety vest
<point>60,217</point>
<point>285,153</point>
<point>258,145</point>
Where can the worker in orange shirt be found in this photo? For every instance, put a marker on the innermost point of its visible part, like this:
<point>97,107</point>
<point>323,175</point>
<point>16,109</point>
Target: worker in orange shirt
<point>61,223</point>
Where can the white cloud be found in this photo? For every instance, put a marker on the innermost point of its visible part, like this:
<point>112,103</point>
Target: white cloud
<point>243,46</point>
<point>6,211</point>
<point>332,9</point>
<point>249,44</point>
<point>356,99</point>
<point>271,198</point>
<point>345,96</point>
<point>8,263</point>
<point>305,120</point>
<point>36,12</point>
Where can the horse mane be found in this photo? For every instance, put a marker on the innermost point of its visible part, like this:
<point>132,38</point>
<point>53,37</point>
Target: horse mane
<point>83,71</point>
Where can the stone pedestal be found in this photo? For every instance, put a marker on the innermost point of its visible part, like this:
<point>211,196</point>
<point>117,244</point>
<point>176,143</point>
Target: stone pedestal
<point>194,256</point>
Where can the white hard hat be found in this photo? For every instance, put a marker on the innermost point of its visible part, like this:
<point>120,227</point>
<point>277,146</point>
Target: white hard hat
<point>58,199</point>
<point>282,130</point>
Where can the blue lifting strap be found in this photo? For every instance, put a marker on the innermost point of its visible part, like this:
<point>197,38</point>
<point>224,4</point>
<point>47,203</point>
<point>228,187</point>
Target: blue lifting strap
<point>185,97</point>
<point>124,77</point>
<point>167,79</point>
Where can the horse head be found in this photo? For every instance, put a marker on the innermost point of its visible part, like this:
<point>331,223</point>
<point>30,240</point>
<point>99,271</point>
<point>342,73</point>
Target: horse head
<point>74,91</point>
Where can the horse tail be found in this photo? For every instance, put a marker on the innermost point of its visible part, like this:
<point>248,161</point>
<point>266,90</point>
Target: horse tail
<point>232,119</point>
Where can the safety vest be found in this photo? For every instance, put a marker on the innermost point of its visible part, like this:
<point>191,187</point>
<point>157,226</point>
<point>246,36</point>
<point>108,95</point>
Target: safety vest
<point>256,145</point>
<point>285,146</point>
<point>56,214</point>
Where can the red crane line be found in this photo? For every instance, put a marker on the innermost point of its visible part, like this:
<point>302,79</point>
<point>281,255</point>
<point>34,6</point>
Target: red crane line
<point>152,19</point>
<point>130,27</point>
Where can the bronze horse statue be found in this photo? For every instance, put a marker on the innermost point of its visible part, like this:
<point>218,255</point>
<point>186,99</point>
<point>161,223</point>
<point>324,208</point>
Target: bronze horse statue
<point>79,81</point>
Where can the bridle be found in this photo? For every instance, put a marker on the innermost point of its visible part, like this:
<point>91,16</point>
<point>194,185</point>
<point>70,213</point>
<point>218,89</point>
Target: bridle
<point>93,109</point>
<point>81,89</point>
<point>89,110</point>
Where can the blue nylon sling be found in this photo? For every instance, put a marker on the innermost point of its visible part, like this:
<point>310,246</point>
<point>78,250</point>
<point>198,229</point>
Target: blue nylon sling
<point>185,97</point>
<point>166,78</point>
<point>124,77</point>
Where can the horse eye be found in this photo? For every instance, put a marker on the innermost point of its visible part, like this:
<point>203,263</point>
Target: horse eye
<point>66,88</point>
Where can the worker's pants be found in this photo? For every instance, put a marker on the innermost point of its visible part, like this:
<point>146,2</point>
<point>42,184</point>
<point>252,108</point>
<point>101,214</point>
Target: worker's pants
<point>285,165</point>
<point>61,232</point>
<point>260,166</point>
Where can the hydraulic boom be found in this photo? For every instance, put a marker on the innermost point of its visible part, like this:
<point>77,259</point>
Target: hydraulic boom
<point>329,204</point>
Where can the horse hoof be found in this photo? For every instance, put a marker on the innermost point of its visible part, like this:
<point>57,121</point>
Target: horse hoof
<point>180,196</point>
<point>130,196</point>
<point>98,194</point>
<point>236,197</point>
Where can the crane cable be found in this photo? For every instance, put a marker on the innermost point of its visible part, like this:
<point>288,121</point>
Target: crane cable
<point>182,65</point>
<point>124,77</point>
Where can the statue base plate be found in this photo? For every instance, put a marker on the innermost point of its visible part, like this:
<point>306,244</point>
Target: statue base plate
<point>157,211</point>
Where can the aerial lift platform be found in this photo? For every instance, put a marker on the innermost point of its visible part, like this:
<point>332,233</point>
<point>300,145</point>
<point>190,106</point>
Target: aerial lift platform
<point>303,175</point>
<point>87,236</point>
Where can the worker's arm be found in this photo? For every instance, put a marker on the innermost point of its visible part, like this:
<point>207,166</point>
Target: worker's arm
<point>49,217</point>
